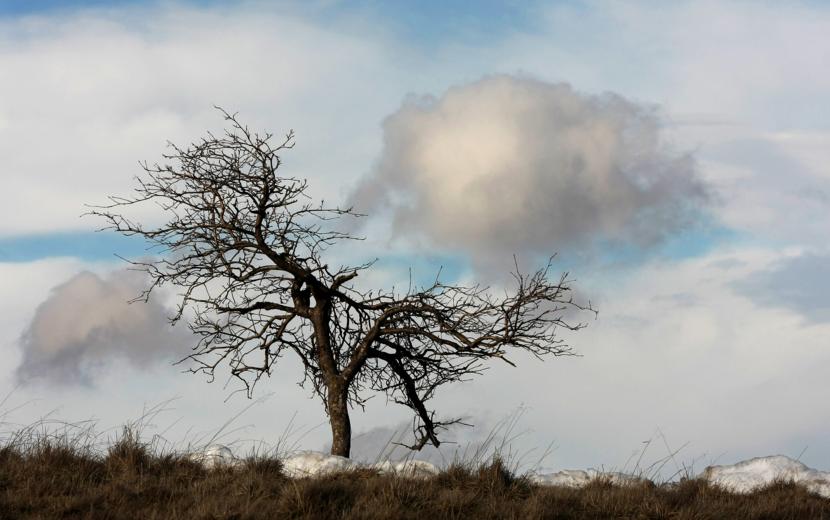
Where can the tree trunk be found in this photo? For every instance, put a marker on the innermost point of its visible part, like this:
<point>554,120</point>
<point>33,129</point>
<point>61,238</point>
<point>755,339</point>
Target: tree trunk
<point>341,426</point>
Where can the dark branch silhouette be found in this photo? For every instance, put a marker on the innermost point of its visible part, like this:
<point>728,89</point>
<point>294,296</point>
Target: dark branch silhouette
<point>244,244</point>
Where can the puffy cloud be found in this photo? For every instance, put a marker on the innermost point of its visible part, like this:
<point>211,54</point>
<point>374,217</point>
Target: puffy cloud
<point>512,165</point>
<point>88,321</point>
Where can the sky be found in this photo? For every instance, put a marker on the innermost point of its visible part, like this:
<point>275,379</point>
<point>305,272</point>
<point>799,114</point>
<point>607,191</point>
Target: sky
<point>676,157</point>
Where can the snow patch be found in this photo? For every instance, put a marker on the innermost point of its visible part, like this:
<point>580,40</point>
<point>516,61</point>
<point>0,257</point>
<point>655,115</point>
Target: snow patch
<point>743,477</point>
<point>752,474</point>
<point>312,463</point>
<point>407,468</point>
<point>579,478</point>
<point>215,456</point>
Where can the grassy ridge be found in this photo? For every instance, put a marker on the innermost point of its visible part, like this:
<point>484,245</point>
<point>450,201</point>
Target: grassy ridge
<point>56,477</point>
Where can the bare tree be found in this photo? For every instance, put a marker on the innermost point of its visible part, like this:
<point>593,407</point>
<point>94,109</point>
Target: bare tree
<point>245,246</point>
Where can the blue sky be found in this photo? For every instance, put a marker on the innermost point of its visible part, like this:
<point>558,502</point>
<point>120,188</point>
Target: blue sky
<point>86,245</point>
<point>422,21</point>
<point>675,158</point>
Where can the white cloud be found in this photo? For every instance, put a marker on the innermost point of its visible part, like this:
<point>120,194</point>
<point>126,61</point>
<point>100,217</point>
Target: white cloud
<point>87,321</point>
<point>775,189</point>
<point>727,74</point>
<point>122,387</point>
<point>513,165</point>
<point>724,73</point>
<point>24,286</point>
<point>84,97</point>
<point>677,346</point>
<point>743,61</point>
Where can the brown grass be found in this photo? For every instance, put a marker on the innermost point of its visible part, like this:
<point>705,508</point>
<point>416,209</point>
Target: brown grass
<point>44,476</point>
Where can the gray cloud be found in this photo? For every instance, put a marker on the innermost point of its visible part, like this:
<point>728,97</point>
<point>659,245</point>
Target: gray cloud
<point>87,322</point>
<point>515,165</point>
<point>800,284</point>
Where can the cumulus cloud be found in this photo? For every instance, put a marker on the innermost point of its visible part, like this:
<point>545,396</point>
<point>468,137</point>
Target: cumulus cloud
<point>512,164</point>
<point>87,322</point>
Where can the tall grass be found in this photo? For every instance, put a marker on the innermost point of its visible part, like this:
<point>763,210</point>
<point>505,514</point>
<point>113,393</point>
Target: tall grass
<point>54,469</point>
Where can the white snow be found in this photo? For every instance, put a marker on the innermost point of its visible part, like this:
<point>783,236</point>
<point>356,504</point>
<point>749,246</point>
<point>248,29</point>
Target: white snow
<point>311,463</point>
<point>749,475</point>
<point>214,456</point>
<point>408,468</point>
<point>743,477</point>
<point>579,478</point>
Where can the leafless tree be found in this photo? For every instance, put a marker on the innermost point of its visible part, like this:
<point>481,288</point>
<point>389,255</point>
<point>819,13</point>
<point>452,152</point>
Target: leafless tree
<point>244,245</point>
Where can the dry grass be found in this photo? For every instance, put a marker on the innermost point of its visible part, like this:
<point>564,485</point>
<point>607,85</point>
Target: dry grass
<point>63,476</point>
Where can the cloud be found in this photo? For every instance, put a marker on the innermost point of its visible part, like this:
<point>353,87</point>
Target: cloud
<point>515,165</point>
<point>799,283</point>
<point>739,61</point>
<point>774,186</point>
<point>87,322</point>
<point>675,347</point>
<point>103,89</point>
